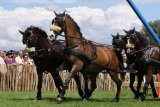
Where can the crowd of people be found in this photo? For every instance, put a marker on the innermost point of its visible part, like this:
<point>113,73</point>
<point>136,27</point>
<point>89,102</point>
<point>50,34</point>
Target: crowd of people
<point>15,57</point>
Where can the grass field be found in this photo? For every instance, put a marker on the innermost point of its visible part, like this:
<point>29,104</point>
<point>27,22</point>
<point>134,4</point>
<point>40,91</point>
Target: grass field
<point>99,99</point>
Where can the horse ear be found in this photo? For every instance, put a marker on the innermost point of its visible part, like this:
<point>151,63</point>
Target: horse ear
<point>55,13</point>
<point>117,34</point>
<point>113,36</point>
<point>125,31</point>
<point>64,12</point>
<point>21,32</point>
<point>133,29</point>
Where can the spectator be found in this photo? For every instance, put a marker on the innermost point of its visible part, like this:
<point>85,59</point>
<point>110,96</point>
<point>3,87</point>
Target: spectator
<point>3,54</point>
<point>3,68</point>
<point>9,58</point>
<point>19,61</point>
<point>19,58</point>
<point>1,57</point>
<point>27,60</point>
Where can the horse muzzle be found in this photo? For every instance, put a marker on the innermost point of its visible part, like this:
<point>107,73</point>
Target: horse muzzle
<point>55,28</point>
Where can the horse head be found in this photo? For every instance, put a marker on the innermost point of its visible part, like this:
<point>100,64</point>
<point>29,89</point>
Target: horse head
<point>135,41</point>
<point>118,41</point>
<point>57,26</point>
<point>131,40</point>
<point>34,37</point>
<point>64,23</point>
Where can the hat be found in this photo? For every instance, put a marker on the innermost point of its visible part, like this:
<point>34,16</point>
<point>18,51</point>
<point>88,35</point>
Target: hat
<point>8,53</point>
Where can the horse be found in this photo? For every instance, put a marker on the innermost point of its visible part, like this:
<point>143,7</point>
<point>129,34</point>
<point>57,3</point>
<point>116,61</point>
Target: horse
<point>85,55</point>
<point>119,43</point>
<point>118,47</point>
<point>138,49</point>
<point>48,57</point>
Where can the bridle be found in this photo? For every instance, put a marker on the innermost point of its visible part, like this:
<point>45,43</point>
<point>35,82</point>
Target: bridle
<point>32,39</point>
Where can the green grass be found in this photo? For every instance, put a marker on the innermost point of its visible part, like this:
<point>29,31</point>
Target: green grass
<point>99,99</point>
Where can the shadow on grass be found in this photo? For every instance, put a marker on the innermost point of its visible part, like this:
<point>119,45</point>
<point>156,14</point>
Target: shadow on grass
<point>72,99</point>
<point>68,99</point>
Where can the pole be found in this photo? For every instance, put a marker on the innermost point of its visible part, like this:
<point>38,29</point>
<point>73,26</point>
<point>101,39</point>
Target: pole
<point>148,27</point>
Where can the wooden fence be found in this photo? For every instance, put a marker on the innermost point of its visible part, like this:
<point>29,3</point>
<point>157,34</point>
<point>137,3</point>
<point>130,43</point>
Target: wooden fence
<point>24,78</point>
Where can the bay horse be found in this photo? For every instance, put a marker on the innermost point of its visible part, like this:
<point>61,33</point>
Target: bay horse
<point>84,54</point>
<point>119,43</point>
<point>144,56</point>
<point>47,56</point>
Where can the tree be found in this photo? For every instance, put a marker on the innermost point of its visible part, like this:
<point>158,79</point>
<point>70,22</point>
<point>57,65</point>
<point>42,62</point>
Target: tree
<point>156,27</point>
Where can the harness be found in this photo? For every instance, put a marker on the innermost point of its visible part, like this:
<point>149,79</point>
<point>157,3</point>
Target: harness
<point>146,57</point>
<point>81,54</point>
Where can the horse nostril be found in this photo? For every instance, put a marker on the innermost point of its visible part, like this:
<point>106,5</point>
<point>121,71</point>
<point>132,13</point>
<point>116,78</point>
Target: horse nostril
<point>52,37</point>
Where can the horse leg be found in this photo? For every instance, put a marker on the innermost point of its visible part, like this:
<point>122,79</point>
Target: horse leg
<point>86,81</point>
<point>78,82</point>
<point>149,76</point>
<point>93,86</point>
<point>77,66</point>
<point>155,95</point>
<point>57,80</point>
<point>132,80</point>
<point>118,82</point>
<point>140,79</point>
<point>40,74</point>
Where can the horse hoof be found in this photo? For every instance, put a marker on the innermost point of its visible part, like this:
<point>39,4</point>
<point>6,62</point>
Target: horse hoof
<point>141,97</point>
<point>155,99</point>
<point>60,99</point>
<point>37,99</point>
<point>115,100</point>
<point>85,100</point>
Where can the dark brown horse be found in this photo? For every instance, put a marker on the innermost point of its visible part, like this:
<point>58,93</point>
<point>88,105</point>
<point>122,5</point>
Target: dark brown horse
<point>119,43</point>
<point>145,57</point>
<point>47,56</point>
<point>84,54</point>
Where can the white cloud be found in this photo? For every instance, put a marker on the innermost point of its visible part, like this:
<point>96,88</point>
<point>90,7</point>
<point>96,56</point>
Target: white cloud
<point>96,24</point>
<point>19,19</point>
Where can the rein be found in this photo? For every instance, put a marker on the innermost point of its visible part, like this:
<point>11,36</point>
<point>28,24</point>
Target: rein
<point>96,43</point>
<point>72,51</point>
<point>141,50</point>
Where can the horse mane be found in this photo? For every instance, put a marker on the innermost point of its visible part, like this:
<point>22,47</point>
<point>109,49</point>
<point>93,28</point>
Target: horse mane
<point>76,25</point>
<point>39,30</point>
<point>142,37</point>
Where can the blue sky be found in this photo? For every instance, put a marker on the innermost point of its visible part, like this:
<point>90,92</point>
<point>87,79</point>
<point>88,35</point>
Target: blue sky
<point>96,18</point>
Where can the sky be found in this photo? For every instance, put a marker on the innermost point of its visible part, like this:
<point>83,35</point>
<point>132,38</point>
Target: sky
<point>98,19</point>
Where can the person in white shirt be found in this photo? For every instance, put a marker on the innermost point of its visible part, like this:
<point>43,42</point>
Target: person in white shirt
<point>3,68</point>
<point>19,61</point>
<point>1,58</point>
<point>19,58</point>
